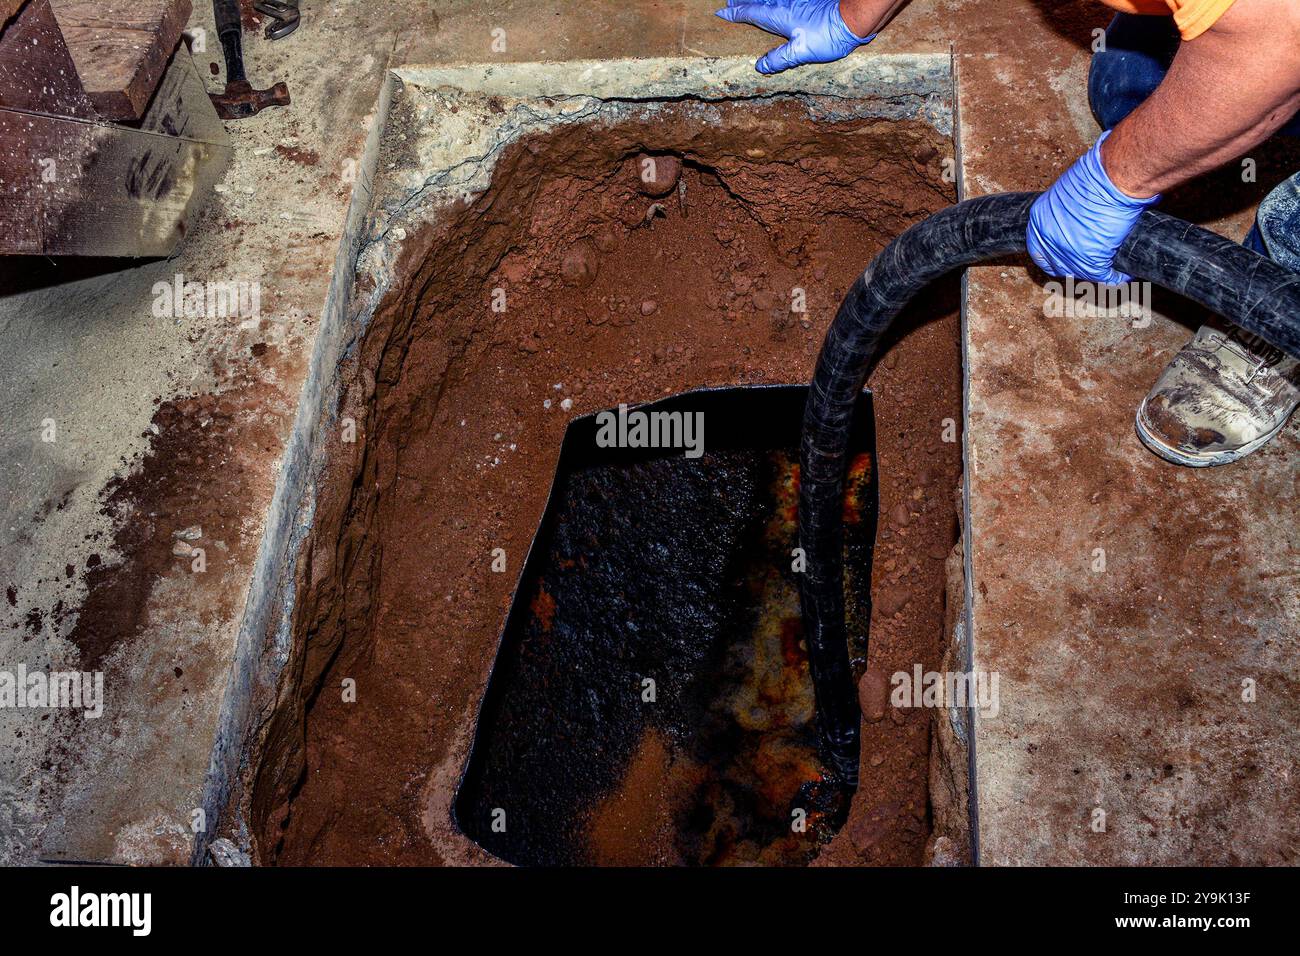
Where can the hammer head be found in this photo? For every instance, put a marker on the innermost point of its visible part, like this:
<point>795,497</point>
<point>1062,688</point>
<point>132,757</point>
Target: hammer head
<point>240,100</point>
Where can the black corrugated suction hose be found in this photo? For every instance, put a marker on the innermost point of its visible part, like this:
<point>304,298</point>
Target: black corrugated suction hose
<point>1238,284</point>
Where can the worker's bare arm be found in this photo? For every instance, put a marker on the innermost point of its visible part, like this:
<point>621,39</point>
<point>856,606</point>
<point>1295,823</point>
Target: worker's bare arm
<point>865,17</point>
<point>1227,91</point>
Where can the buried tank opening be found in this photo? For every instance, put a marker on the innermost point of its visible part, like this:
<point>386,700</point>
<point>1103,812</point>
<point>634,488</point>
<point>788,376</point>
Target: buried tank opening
<point>571,285</point>
<point>652,701</point>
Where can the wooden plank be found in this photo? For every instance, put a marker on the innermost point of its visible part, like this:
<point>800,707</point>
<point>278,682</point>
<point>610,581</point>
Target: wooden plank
<point>72,187</point>
<point>36,69</point>
<point>121,48</point>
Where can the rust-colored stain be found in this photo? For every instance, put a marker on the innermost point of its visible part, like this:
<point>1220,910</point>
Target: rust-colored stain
<point>304,157</point>
<point>787,496</point>
<point>543,608</point>
<point>794,652</point>
<point>1176,431</point>
<point>857,480</point>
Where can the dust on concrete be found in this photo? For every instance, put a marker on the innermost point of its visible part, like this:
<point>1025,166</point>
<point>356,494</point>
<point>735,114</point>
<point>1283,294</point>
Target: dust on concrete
<point>88,352</point>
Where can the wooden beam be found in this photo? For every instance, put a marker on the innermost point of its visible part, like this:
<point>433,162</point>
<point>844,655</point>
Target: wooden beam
<point>73,187</point>
<point>36,70</point>
<point>121,48</point>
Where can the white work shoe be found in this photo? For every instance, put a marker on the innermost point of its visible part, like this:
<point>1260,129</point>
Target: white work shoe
<point>1222,397</point>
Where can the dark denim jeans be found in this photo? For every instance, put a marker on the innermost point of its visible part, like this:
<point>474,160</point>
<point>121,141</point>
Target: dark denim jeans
<point>1136,58</point>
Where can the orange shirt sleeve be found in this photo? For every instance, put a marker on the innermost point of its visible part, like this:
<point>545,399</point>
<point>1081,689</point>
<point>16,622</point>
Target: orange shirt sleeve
<point>1193,17</point>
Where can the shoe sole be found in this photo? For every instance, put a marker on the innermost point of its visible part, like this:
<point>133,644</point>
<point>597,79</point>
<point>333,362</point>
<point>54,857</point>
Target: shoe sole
<point>1208,460</point>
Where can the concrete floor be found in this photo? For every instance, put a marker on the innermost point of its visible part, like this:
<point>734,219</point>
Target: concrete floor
<point>1121,690</point>
<point>1123,601</point>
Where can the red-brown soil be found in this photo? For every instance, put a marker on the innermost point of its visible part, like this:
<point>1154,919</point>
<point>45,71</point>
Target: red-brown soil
<point>461,409</point>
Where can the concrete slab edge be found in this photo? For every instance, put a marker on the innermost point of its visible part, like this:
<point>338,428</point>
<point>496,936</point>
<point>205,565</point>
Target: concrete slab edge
<point>968,591</point>
<point>270,601</point>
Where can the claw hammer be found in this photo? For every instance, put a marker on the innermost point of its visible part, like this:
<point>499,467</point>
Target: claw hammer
<point>239,100</point>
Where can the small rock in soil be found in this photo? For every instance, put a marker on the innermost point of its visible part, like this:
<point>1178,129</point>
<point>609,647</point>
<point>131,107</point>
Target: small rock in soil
<point>581,264</point>
<point>873,694</point>
<point>868,830</point>
<point>515,270</point>
<point>657,175</point>
<point>892,599</point>
<point>605,238</point>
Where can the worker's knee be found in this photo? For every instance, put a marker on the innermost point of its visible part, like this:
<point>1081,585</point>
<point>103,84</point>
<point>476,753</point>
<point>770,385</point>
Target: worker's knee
<point>1277,223</point>
<point>1129,65</point>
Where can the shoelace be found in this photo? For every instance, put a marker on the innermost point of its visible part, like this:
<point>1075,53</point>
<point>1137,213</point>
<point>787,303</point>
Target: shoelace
<point>1255,348</point>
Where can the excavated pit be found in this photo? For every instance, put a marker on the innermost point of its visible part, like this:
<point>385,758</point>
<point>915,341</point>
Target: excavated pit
<point>573,284</point>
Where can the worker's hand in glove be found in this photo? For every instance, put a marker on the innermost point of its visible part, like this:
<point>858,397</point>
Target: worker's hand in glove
<point>1077,226</point>
<point>815,28</point>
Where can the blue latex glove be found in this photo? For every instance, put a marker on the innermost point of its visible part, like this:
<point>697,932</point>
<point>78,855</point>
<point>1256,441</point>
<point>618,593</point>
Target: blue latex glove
<point>1077,226</point>
<point>816,31</point>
